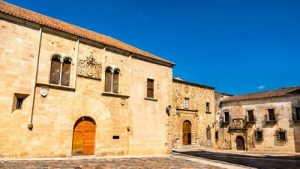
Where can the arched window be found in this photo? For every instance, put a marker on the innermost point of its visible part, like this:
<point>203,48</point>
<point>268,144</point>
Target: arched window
<point>116,81</point>
<point>66,71</point>
<point>55,70</point>
<point>60,71</point>
<point>111,80</point>
<point>108,79</point>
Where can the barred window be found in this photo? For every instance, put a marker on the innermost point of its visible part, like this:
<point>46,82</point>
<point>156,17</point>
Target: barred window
<point>258,134</point>
<point>281,135</point>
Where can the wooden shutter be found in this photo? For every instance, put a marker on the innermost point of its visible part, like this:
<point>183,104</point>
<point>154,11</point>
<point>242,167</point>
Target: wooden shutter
<point>116,82</point>
<point>55,70</point>
<point>66,71</point>
<point>108,79</point>
<point>150,88</point>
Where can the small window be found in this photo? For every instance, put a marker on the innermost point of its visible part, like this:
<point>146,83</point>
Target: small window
<point>298,113</point>
<point>186,103</point>
<point>281,135</point>
<point>116,137</point>
<point>226,117</point>
<point>259,135</point>
<point>208,133</point>
<point>150,88</point>
<point>207,107</point>
<point>18,101</point>
<point>271,115</point>
<point>250,115</point>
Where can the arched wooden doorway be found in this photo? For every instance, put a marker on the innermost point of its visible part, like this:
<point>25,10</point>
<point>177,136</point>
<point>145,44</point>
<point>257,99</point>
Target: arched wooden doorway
<point>84,136</point>
<point>187,133</point>
<point>240,143</point>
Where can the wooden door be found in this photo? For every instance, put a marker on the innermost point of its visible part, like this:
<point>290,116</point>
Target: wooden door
<point>84,137</point>
<point>240,143</point>
<point>187,134</point>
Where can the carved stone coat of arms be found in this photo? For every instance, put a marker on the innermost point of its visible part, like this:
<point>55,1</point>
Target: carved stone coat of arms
<point>88,67</point>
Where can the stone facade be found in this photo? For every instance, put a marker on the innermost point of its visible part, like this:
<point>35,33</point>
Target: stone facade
<point>43,126</point>
<point>269,140</point>
<point>195,112</point>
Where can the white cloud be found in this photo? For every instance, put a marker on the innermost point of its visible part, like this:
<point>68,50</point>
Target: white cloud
<point>261,87</point>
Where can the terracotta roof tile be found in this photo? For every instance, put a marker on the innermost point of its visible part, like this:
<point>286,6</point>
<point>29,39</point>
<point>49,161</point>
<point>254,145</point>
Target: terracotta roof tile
<point>265,94</point>
<point>43,20</point>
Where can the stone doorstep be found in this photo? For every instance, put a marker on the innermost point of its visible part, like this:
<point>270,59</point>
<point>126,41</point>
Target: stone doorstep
<point>87,157</point>
<point>214,163</point>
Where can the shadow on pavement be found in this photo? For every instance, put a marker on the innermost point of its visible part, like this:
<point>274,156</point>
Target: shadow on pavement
<point>263,162</point>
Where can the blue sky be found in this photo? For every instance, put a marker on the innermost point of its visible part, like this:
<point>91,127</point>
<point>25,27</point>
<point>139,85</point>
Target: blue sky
<point>237,46</point>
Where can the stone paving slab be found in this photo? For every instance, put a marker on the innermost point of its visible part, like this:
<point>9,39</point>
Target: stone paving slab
<point>105,163</point>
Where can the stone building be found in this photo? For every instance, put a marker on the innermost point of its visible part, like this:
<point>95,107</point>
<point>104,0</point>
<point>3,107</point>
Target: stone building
<point>219,132</point>
<point>192,119</point>
<point>263,122</point>
<point>66,90</point>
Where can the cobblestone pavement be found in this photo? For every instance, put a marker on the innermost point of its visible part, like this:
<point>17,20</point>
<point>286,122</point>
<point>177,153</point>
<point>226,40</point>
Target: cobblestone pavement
<point>100,163</point>
<point>249,160</point>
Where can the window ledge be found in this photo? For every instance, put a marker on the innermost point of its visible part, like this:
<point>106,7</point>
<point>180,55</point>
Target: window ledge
<point>115,95</point>
<point>53,86</point>
<point>152,99</point>
<point>190,110</point>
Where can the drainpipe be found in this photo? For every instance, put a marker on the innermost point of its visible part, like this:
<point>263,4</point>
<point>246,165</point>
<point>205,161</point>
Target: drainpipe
<point>30,124</point>
<point>76,62</point>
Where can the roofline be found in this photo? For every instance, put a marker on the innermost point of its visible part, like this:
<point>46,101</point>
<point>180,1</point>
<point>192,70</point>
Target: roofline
<point>270,97</point>
<point>193,84</point>
<point>267,97</point>
<point>224,93</point>
<point>121,45</point>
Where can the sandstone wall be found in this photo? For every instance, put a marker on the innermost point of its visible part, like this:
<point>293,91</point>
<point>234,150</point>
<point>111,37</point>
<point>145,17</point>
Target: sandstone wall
<point>196,114</point>
<point>140,124</point>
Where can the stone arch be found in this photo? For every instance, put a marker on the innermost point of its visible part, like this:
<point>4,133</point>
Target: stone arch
<point>84,132</point>
<point>84,106</point>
